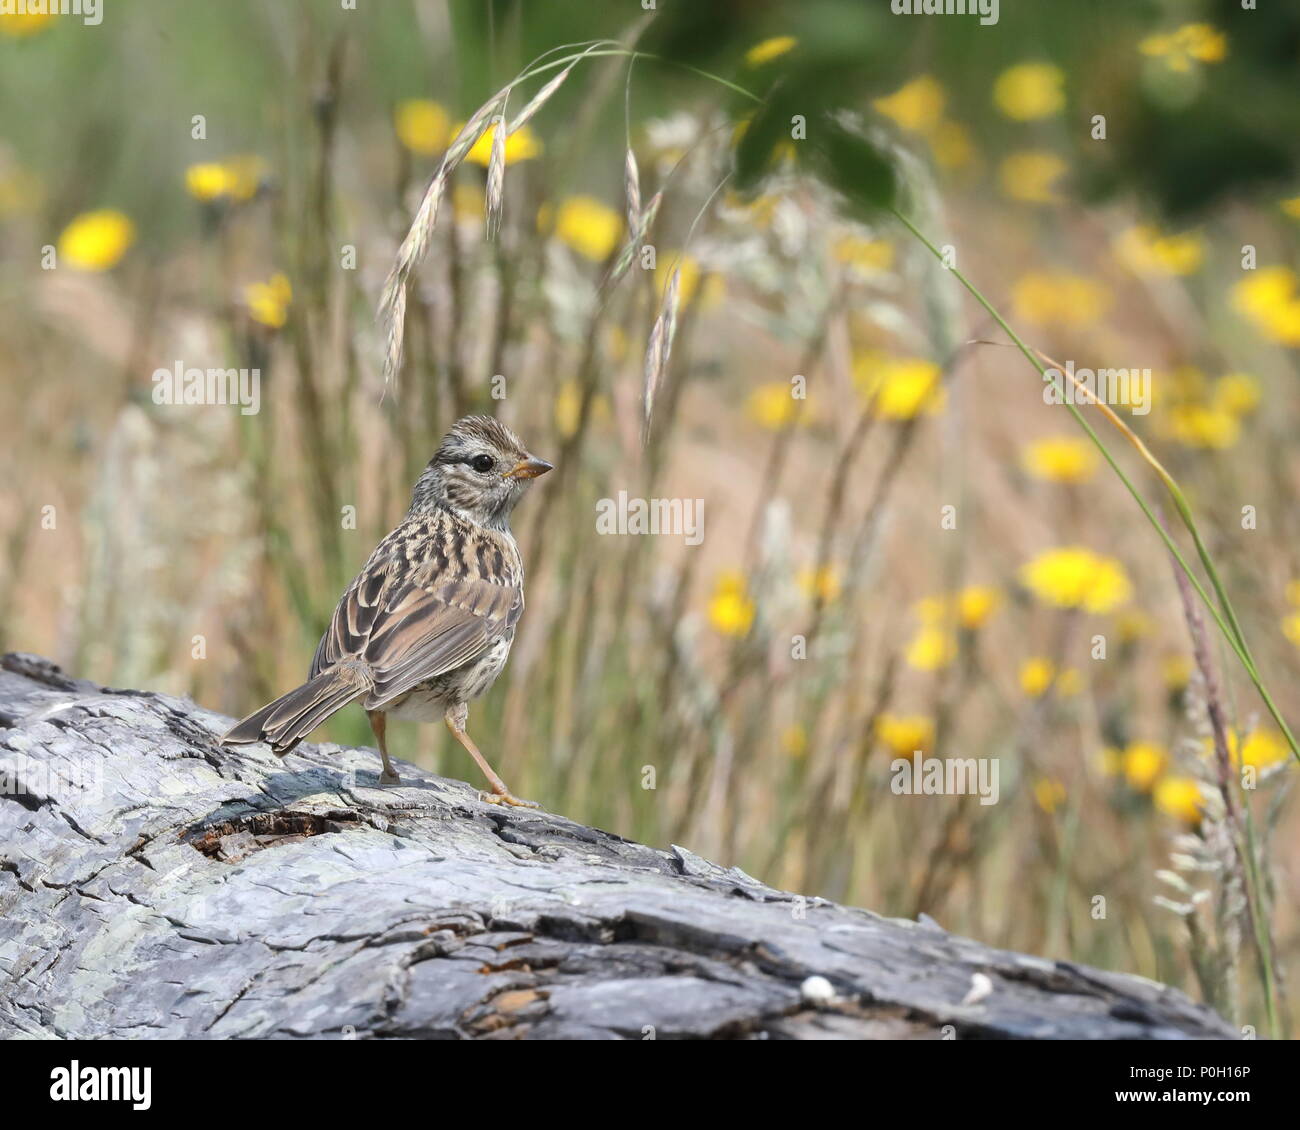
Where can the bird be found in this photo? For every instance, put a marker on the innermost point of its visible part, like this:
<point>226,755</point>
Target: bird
<point>426,626</point>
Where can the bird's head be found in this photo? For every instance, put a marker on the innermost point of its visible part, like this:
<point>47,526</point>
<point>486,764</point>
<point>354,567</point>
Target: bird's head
<point>480,471</point>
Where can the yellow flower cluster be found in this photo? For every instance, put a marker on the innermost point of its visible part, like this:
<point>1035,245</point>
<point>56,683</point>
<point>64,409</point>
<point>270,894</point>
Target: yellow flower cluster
<point>772,405</point>
<point>591,228</point>
<point>268,302</point>
<point>1030,176</point>
<point>1045,298</point>
<point>900,388</point>
<point>904,734</point>
<point>1039,674</point>
<point>96,241</point>
<point>1204,414</point>
<point>1190,44</point>
<point>1269,298</point>
<point>1029,91</point>
<point>770,49</point>
<point>1259,750</point>
<point>236,180</point>
<point>731,608</point>
<point>1060,459</point>
<point>1146,251</point>
<point>422,126</point>
<point>1049,794</point>
<point>935,645</point>
<point>18,25</point>
<point>1075,577</point>
<point>820,583</point>
<point>870,256</point>
<point>918,107</point>
<point>521,145</point>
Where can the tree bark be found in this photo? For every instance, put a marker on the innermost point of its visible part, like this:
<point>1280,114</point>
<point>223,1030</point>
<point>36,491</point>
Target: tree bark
<point>155,884</point>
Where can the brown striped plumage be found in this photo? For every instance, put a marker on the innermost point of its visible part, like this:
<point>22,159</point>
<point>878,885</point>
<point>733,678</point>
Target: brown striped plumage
<point>426,626</point>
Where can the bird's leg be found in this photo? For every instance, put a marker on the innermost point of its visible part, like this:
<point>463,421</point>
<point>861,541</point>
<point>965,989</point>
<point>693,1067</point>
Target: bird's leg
<point>455,718</point>
<point>379,724</point>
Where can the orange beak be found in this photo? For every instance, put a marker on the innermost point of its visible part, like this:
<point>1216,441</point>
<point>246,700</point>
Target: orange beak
<point>528,468</point>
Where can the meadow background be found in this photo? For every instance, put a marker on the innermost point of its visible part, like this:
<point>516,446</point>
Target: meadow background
<point>838,614</point>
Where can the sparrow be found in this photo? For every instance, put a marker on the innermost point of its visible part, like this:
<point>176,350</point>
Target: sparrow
<point>426,626</point>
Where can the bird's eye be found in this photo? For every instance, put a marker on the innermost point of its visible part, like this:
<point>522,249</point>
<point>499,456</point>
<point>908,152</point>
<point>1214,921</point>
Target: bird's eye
<point>481,462</point>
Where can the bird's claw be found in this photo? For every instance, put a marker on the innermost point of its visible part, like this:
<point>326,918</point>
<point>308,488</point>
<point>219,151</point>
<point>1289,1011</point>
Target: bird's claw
<point>507,799</point>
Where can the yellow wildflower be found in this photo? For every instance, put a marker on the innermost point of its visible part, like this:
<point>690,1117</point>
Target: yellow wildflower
<point>950,144</point>
<point>1029,91</point>
<point>1237,393</point>
<point>1261,749</point>
<point>208,181</point>
<point>1199,43</point>
<point>772,405</point>
<point>693,279</point>
<point>1269,299</point>
<point>521,145</point>
<point>975,604</point>
<point>867,255</point>
<point>1060,459</point>
<point>1132,624</point>
<point>1144,763</point>
<point>422,126</point>
<point>1038,675</point>
<point>247,171</point>
<point>900,388</point>
<point>794,741</point>
<point>1176,671</point>
<point>1203,426</point>
<point>931,649</point>
<point>770,49</point>
<point>1179,797</point>
<point>18,25</point>
<point>1145,251</point>
<point>96,241</point>
<point>918,105</point>
<point>1049,794</point>
<point>268,302</point>
<point>591,228</point>
<point>905,734</point>
<point>1031,175</point>
<point>1074,577</point>
<point>1048,298</point>
<point>467,203</point>
<point>1291,207</point>
<point>1291,627</point>
<point>970,608</point>
<point>821,583</point>
<point>731,609</point>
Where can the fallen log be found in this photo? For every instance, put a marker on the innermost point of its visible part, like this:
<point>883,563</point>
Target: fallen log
<point>155,884</point>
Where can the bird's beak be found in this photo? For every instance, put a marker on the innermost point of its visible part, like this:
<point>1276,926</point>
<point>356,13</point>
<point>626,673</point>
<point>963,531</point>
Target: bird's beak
<point>528,468</point>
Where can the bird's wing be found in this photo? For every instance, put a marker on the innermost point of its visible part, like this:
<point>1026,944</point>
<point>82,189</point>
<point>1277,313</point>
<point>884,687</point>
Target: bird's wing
<point>406,632</point>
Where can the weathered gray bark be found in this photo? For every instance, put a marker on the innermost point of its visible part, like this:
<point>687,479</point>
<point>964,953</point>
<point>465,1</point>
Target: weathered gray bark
<point>154,884</point>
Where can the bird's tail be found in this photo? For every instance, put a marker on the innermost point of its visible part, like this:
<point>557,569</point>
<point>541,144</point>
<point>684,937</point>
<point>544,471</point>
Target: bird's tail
<point>282,724</point>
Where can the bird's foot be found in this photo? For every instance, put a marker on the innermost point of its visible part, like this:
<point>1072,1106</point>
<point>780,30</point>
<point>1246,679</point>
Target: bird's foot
<point>507,798</point>
<point>389,779</point>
